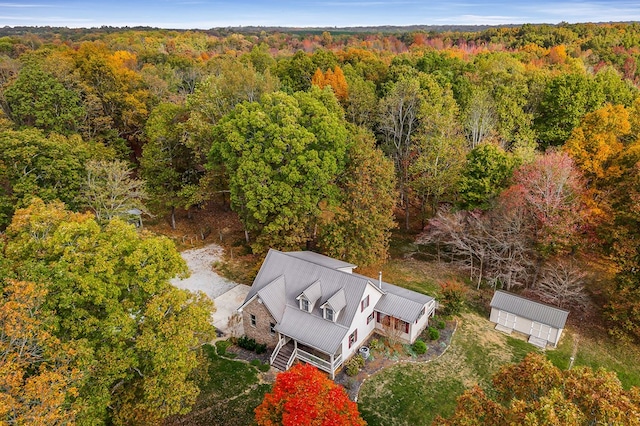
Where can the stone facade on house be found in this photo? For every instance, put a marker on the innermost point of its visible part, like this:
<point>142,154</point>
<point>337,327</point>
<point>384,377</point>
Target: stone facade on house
<point>261,329</point>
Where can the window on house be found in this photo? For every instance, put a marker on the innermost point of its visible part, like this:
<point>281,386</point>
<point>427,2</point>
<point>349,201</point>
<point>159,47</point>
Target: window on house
<point>402,325</point>
<point>272,328</point>
<point>353,338</point>
<point>370,318</point>
<point>328,314</point>
<point>364,304</point>
<point>253,320</point>
<point>304,304</point>
<point>384,319</point>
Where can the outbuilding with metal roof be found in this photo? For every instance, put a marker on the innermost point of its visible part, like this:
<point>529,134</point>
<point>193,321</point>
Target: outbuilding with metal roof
<point>543,323</point>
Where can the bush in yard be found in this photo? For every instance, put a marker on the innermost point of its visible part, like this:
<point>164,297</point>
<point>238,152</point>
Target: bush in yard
<point>440,324</point>
<point>260,348</point>
<point>247,343</point>
<point>434,334</point>
<point>264,367</point>
<point>375,345</point>
<point>453,297</point>
<point>420,347</point>
<point>353,366</point>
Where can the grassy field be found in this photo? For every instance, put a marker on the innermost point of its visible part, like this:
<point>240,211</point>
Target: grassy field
<point>409,394</point>
<point>598,352</point>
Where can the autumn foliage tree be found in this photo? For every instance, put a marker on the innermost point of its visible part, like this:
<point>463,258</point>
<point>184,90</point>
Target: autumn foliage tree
<point>597,144</point>
<point>553,190</point>
<point>535,392</point>
<point>335,79</point>
<point>539,216</point>
<point>108,295</point>
<point>358,229</point>
<point>606,147</point>
<point>38,379</point>
<point>303,396</point>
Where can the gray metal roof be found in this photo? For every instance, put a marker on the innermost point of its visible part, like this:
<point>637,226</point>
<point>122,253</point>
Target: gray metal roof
<point>529,309</point>
<point>338,300</point>
<point>285,276</point>
<point>273,297</point>
<point>401,303</point>
<point>300,274</point>
<point>312,330</point>
<point>313,292</point>
<point>321,259</point>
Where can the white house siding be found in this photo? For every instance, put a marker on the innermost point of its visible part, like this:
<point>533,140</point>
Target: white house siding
<point>360,323</point>
<point>416,328</point>
<point>525,325</point>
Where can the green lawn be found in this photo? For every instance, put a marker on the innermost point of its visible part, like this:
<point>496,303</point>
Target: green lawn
<point>602,352</point>
<point>408,394</point>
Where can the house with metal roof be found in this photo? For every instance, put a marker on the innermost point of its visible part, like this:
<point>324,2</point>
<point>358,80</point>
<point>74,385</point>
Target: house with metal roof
<point>543,323</point>
<point>315,309</point>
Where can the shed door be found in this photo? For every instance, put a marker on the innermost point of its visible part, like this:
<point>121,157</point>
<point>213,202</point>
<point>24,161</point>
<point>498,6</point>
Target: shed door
<point>507,319</point>
<point>542,331</point>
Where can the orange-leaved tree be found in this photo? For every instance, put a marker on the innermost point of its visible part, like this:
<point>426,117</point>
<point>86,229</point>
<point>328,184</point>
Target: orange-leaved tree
<point>38,379</point>
<point>304,396</point>
<point>536,392</point>
<point>335,79</point>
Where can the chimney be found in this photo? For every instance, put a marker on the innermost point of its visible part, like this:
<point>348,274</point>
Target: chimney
<point>380,280</point>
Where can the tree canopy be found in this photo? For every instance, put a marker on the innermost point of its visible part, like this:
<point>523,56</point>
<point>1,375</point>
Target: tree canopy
<point>107,292</point>
<point>283,156</point>
<point>304,396</point>
<point>535,392</point>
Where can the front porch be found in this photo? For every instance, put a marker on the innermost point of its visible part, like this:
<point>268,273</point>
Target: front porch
<point>288,350</point>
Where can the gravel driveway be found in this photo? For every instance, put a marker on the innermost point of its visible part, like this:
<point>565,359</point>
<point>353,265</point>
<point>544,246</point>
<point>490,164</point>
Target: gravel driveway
<point>227,295</point>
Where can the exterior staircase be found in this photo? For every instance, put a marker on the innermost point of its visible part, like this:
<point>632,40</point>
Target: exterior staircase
<point>283,357</point>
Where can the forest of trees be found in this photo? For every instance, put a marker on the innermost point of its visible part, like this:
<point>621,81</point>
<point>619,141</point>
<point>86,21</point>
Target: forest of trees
<point>512,152</point>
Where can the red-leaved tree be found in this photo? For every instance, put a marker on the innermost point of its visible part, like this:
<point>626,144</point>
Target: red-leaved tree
<point>303,396</point>
<point>553,191</point>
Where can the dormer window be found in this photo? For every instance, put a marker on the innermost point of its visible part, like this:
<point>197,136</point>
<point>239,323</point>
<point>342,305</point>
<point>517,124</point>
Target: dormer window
<point>332,307</point>
<point>304,304</point>
<point>328,314</point>
<point>310,296</point>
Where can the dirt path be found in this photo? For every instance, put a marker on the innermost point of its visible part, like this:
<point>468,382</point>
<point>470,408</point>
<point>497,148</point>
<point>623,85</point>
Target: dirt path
<point>227,295</point>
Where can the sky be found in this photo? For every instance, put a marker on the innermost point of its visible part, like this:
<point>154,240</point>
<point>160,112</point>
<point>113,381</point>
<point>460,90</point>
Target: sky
<point>205,14</point>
